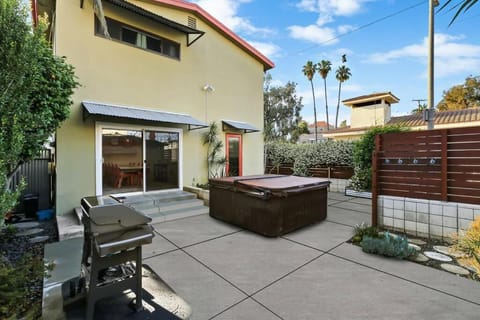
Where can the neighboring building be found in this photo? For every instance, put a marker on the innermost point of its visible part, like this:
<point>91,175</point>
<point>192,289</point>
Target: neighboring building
<point>169,68</point>
<point>366,111</point>
<point>375,110</point>
<point>310,137</point>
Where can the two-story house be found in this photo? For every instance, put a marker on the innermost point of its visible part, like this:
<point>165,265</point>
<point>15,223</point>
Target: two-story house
<point>150,85</point>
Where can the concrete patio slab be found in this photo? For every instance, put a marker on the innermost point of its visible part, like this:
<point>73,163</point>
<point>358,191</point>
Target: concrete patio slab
<point>324,236</point>
<point>424,275</point>
<point>354,207</point>
<point>207,293</point>
<point>158,246</point>
<point>247,310</point>
<point>332,288</point>
<point>346,216</point>
<point>363,201</point>
<point>338,196</point>
<point>188,231</point>
<point>251,261</point>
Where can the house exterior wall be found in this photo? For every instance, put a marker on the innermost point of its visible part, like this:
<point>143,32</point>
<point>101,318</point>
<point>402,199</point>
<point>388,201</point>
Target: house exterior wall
<point>116,73</point>
<point>367,116</point>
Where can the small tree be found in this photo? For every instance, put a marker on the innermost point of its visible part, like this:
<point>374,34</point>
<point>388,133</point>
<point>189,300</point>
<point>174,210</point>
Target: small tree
<point>215,161</point>
<point>35,91</point>
<point>362,157</point>
<point>309,70</point>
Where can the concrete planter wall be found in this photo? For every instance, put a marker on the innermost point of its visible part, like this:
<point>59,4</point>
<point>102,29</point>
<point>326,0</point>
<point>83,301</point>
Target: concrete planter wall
<point>425,218</point>
<point>201,193</point>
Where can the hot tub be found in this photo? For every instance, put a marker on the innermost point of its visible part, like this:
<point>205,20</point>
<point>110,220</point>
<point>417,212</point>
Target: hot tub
<point>271,205</point>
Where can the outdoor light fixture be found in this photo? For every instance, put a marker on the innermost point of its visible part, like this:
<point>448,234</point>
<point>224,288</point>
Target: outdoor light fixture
<point>432,161</point>
<point>400,161</point>
<point>387,161</point>
<point>415,161</point>
<point>208,87</point>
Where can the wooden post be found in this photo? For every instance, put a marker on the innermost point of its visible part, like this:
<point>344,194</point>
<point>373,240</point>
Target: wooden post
<point>444,166</point>
<point>374,180</point>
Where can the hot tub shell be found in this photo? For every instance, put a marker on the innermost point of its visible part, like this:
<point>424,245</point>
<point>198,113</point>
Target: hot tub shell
<point>271,205</point>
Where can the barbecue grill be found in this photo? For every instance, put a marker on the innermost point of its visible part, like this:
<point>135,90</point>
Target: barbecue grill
<point>114,235</point>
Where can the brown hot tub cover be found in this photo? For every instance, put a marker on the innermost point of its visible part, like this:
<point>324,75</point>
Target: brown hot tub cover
<point>271,205</point>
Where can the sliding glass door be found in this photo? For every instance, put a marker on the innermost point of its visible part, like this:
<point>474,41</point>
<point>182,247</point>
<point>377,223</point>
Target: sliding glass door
<point>138,160</point>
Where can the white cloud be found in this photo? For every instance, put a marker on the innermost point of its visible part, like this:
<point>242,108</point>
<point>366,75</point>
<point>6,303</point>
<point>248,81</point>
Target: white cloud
<point>451,56</point>
<point>226,11</point>
<point>327,10</point>
<point>313,33</point>
<point>268,49</point>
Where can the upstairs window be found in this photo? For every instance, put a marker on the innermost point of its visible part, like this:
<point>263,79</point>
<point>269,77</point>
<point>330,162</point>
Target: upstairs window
<point>139,38</point>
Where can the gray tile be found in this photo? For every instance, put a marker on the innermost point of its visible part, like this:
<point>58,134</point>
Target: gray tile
<point>184,232</point>
<point>324,235</point>
<point>428,276</point>
<point>338,196</point>
<point>346,216</point>
<point>357,207</point>
<point>247,310</point>
<point>203,290</point>
<point>251,261</point>
<point>332,288</point>
<point>159,245</point>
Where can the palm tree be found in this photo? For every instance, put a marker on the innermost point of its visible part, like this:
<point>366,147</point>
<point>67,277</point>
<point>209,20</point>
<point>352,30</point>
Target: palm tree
<point>462,7</point>
<point>309,71</point>
<point>342,75</point>
<point>323,69</point>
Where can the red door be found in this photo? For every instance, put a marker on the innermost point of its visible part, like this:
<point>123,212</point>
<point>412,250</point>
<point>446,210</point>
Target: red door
<point>234,154</point>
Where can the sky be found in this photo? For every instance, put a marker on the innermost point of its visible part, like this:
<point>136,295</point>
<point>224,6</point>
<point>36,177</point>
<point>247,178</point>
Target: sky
<point>385,41</point>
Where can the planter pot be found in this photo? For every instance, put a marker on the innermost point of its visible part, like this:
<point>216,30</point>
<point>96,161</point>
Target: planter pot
<point>358,194</point>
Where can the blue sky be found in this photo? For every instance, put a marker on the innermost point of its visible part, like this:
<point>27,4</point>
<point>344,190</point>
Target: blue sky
<point>388,55</point>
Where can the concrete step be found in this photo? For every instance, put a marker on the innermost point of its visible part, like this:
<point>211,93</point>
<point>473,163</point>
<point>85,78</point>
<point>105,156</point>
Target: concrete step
<point>178,214</point>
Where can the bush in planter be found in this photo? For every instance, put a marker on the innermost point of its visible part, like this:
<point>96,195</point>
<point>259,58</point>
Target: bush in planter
<point>362,157</point>
<point>388,245</point>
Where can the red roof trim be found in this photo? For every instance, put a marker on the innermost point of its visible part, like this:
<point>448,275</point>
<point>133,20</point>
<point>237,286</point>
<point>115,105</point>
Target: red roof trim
<point>267,63</point>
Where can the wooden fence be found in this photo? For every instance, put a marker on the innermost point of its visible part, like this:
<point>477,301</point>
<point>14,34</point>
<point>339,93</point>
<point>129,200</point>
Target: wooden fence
<point>434,165</point>
<point>319,172</point>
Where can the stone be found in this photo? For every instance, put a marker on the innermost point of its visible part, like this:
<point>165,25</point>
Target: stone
<point>414,246</point>
<point>38,239</point>
<point>419,257</point>
<point>26,225</point>
<point>437,256</point>
<point>29,232</point>
<point>454,269</point>
<point>418,242</point>
<point>449,251</point>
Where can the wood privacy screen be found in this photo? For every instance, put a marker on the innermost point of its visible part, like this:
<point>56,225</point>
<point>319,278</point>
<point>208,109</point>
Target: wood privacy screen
<point>317,172</point>
<point>434,165</point>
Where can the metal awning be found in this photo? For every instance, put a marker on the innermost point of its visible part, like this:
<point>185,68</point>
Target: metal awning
<point>243,126</point>
<point>155,17</point>
<point>114,111</point>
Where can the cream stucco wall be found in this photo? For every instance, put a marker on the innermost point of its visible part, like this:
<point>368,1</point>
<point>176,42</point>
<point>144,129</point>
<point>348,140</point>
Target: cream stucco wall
<point>373,115</point>
<point>112,72</point>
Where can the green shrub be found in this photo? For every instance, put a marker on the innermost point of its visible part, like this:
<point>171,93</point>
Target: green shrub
<point>306,156</point>
<point>388,245</point>
<point>362,230</point>
<point>362,157</point>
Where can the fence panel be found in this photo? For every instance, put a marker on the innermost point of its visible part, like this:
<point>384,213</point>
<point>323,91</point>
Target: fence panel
<point>318,172</point>
<point>434,165</point>
<point>38,179</point>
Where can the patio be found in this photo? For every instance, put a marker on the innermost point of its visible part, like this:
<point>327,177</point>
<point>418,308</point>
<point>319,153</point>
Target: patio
<point>225,272</point>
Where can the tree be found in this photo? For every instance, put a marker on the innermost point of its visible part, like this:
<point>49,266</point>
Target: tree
<point>35,91</point>
<point>420,108</point>
<point>343,124</point>
<point>323,69</point>
<point>342,75</point>
<point>462,7</point>
<point>463,96</point>
<point>282,120</point>
<point>309,71</point>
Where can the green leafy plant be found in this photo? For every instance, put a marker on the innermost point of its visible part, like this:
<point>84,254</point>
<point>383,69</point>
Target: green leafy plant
<point>388,245</point>
<point>469,243</point>
<point>215,161</point>
<point>362,157</point>
<point>361,230</point>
